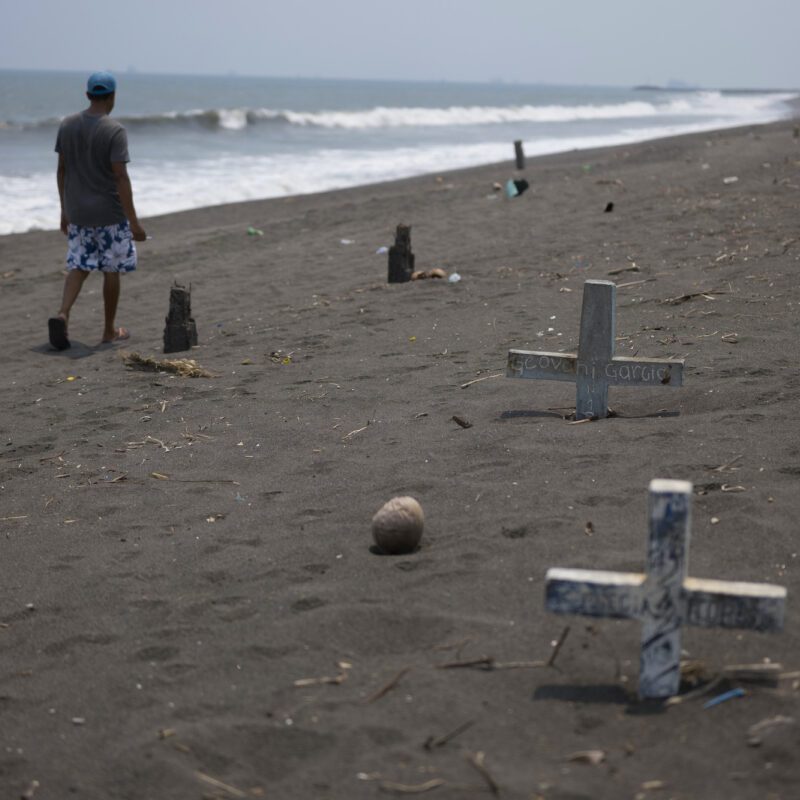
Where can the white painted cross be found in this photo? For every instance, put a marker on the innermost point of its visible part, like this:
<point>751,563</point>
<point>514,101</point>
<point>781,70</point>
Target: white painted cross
<point>595,367</point>
<point>664,599</point>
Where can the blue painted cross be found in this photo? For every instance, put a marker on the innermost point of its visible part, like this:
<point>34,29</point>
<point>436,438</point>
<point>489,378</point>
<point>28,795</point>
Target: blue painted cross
<point>664,598</point>
<point>595,367</point>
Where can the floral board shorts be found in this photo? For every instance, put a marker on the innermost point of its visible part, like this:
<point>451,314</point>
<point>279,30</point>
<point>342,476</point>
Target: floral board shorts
<point>109,248</point>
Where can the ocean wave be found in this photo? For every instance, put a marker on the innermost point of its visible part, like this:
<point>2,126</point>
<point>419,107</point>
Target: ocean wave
<point>699,104</point>
<point>692,104</point>
<point>30,202</point>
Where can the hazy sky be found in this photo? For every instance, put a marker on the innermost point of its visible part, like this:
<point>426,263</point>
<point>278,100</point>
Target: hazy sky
<point>715,43</point>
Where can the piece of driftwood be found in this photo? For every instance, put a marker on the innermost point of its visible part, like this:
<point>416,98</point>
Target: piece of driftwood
<point>180,332</point>
<point>478,761</point>
<point>595,367</point>
<point>664,599</point>
<point>185,367</point>
<point>439,741</point>
<point>401,259</point>
<point>387,687</point>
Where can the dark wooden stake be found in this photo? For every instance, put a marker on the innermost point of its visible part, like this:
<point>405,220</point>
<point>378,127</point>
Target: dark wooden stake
<point>180,332</point>
<point>519,153</point>
<point>401,259</point>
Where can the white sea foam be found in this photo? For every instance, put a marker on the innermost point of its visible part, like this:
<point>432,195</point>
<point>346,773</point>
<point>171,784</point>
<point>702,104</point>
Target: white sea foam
<point>30,202</point>
<point>694,104</point>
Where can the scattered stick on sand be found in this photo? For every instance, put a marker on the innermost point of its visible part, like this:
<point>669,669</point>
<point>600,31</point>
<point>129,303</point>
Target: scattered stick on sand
<point>185,367</point>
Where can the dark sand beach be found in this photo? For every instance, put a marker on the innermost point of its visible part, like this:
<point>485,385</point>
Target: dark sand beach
<point>177,552</point>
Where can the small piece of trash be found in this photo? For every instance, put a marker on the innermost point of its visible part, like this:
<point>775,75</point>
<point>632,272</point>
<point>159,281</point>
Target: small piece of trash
<point>454,277</point>
<point>381,251</point>
<point>731,179</point>
<point>714,520</point>
<point>723,698</point>
<point>514,188</point>
<point>346,241</point>
<point>593,757</point>
<point>79,720</point>
<point>254,232</point>
<point>609,208</point>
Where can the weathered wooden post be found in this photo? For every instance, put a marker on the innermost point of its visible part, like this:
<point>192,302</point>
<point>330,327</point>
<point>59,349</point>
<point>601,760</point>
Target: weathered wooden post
<point>519,154</point>
<point>401,259</point>
<point>180,332</point>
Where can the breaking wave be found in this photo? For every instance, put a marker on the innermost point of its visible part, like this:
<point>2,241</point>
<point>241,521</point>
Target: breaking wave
<point>691,104</point>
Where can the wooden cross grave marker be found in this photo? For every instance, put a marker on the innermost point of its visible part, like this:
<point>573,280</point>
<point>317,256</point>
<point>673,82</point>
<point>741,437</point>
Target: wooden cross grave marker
<point>664,598</point>
<point>595,367</point>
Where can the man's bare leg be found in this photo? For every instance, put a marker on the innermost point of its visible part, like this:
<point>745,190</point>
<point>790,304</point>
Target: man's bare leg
<point>111,286</point>
<point>57,326</point>
<point>72,288</point>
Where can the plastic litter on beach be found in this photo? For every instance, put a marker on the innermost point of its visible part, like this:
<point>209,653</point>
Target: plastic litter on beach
<point>516,188</point>
<point>254,232</point>
<point>723,698</point>
<point>454,278</point>
<point>346,241</point>
<point>730,180</point>
<point>381,251</point>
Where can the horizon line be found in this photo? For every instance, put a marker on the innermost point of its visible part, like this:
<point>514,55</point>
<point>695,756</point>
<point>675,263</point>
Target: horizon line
<point>499,81</point>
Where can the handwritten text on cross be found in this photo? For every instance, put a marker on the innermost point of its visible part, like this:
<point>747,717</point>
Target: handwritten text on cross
<point>595,367</point>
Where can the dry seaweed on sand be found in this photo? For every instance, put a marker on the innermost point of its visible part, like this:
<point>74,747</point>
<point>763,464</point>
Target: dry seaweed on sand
<point>185,367</point>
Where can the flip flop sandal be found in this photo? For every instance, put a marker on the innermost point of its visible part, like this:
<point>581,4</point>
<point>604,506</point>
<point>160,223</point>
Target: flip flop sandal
<point>58,333</point>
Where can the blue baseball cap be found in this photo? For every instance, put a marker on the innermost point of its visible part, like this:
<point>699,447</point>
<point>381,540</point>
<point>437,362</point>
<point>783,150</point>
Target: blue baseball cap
<point>101,83</point>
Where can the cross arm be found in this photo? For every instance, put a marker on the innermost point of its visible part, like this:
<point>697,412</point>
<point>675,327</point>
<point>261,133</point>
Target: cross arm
<point>644,371</point>
<point>541,365</point>
<point>592,593</point>
<point>731,604</point>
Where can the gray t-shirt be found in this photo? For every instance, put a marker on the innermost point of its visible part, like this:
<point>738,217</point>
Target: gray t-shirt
<point>89,144</point>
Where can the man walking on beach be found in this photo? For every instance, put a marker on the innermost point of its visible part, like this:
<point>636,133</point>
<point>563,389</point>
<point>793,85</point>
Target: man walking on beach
<point>97,213</point>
